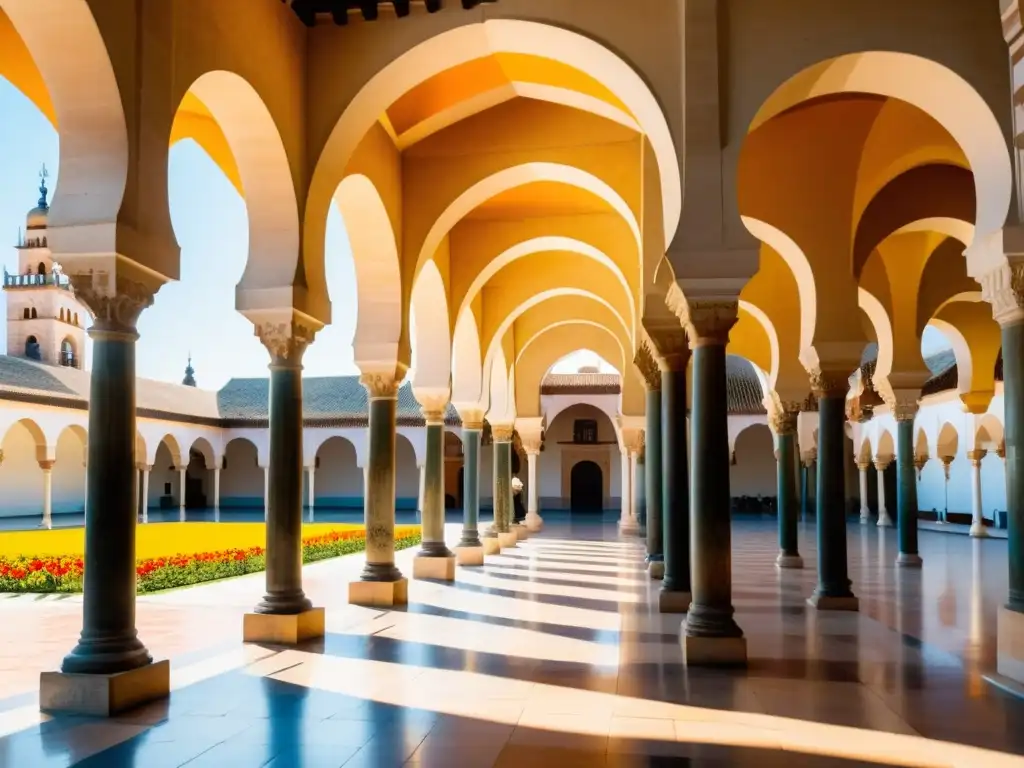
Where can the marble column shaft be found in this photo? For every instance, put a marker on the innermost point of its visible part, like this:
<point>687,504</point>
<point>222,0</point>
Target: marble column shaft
<point>109,642</point>
<point>787,500</point>
<point>145,493</point>
<point>711,610</point>
<point>1013,404</point>
<point>379,496</point>
<point>675,479</point>
<point>502,484</point>
<point>906,493</point>
<point>833,580</point>
<point>47,467</point>
<point>652,469</point>
<point>284,493</point>
<point>470,487</point>
<point>433,544</point>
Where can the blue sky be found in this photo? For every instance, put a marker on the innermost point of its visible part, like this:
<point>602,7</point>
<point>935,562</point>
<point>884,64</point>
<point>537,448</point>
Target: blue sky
<point>196,315</point>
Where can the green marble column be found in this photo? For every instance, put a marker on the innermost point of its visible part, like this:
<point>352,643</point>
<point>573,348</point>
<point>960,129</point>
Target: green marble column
<point>711,635</point>
<point>789,553</point>
<point>109,642</point>
<point>379,494</point>
<point>652,470</point>
<point>675,488</point>
<point>284,498</point>
<point>1013,404</point>
<point>433,544</point>
<point>906,489</point>
<point>833,591</point>
<point>470,486</point>
<point>502,478</point>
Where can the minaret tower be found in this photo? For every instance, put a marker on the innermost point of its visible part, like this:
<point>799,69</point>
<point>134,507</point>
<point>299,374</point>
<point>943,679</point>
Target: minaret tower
<point>45,321</point>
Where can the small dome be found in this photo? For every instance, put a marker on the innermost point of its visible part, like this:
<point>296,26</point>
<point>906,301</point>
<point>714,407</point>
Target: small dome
<point>37,218</point>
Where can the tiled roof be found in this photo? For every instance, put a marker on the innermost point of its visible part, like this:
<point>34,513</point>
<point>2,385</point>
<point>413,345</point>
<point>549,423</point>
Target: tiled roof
<point>20,374</point>
<point>942,366</point>
<point>581,383</point>
<point>742,385</point>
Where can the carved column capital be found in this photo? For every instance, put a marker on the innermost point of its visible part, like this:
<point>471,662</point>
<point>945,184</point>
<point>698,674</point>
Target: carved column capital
<point>472,416</point>
<point>707,320</point>
<point>115,302</point>
<point>647,365</point>
<point>863,466</point>
<point>1003,288</point>
<point>502,433</point>
<point>783,414</point>
<point>670,349</point>
<point>882,463</point>
<point>46,466</point>
<point>829,382</point>
<point>433,404</point>
<point>285,339</point>
<point>920,459</point>
<point>807,458</point>
<point>530,431</point>
<point>382,385</point>
<point>1001,451</point>
<point>975,457</point>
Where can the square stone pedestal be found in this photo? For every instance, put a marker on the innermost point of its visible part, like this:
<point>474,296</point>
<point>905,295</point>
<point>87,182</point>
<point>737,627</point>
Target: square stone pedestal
<point>521,531</point>
<point>507,540</point>
<point>379,594</point>
<point>828,603</point>
<point>440,568</point>
<point>469,555</point>
<point>673,602</point>
<point>1010,645</point>
<point>104,695</point>
<point>656,569</point>
<point>714,651</point>
<point>283,629</point>
<point>491,545</point>
<point>534,524</point>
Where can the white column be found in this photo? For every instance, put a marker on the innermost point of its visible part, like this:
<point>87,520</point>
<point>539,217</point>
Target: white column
<point>145,493</point>
<point>633,479</point>
<point>312,491</point>
<point>266,491</point>
<point>884,521</point>
<point>182,484</point>
<point>216,494</point>
<point>627,520</point>
<point>977,519</point>
<point>47,467</point>
<point>533,519</point>
<point>865,511</point>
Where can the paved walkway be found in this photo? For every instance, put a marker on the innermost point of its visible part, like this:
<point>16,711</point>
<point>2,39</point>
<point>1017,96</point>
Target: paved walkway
<point>552,655</point>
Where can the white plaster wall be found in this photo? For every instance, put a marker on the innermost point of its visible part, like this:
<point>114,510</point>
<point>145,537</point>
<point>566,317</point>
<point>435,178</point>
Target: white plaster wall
<point>243,479</point>
<point>407,474</point>
<point>338,478</point>
<point>68,475</point>
<point>20,476</point>
<point>754,473</point>
<point>559,432</point>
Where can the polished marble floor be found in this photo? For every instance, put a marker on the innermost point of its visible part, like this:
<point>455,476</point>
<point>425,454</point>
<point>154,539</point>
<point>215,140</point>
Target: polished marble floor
<point>552,655</point>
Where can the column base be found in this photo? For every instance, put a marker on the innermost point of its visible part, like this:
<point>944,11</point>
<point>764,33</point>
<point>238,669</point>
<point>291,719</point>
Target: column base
<point>507,540</point>
<point>884,521</point>
<point>104,695</point>
<point>906,560</point>
<point>673,602</point>
<point>469,556</point>
<point>440,568</point>
<point>832,603</point>
<point>491,545</point>
<point>789,561</point>
<point>865,519</point>
<point>1010,644</point>
<point>656,569</point>
<point>534,522</point>
<point>629,527</point>
<point>521,531</point>
<point>979,531</point>
<point>283,629</point>
<point>713,651</point>
<point>379,594</point>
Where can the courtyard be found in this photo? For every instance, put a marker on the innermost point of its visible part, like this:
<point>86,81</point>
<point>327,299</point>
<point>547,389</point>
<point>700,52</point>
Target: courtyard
<point>552,654</point>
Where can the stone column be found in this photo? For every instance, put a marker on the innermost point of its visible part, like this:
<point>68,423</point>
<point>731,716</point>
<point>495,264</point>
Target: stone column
<point>422,470</point>
<point>784,425</point>
<point>807,460</point>
<point>182,484</point>
<point>977,515</point>
<point>906,485</point>
<point>862,474</point>
<point>882,464</point>
<point>47,467</point>
<point>502,434</point>
<point>266,492</point>
<point>652,467</point>
<point>636,471</point>
<point>946,461</point>
<point>470,550</point>
<point>109,648</point>
<point>833,591</point>
<point>381,583</point>
<point>627,519</point>
<point>533,519</point>
<point>311,486</point>
<point>674,596</point>
<point>710,633</point>
<point>434,560</point>
<point>285,614</point>
<point>216,492</point>
<point>145,469</point>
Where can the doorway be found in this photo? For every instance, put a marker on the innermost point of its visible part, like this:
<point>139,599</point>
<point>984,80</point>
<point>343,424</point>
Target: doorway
<point>586,485</point>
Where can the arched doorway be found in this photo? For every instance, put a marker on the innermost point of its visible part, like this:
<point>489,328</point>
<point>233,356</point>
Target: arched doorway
<point>586,484</point>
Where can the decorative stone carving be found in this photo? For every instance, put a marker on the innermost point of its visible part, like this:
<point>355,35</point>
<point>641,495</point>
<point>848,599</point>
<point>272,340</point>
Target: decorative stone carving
<point>829,383</point>
<point>115,307</point>
<point>706,320</point>
<point>433,405</point>
<point>783,414</point>
<point>863,466</point>
<point>1003,288</point>
<point>285,341</point>
<point>882,463</point>
<point>975,457</point>
<point>433,415</point>
<point>46,466</point>
<point>920,460</point>
<point>502,433</point>
<point>807,458</point>
<point>647,366</point>
<point>472,418</point>
<point>1000,452</point>
<point>381,386</point>
<point>946,461</point>
<point>903,410</point>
